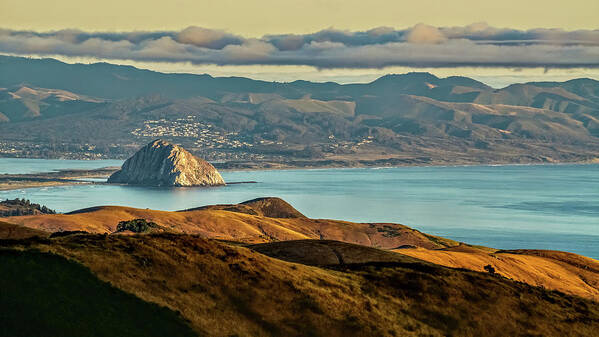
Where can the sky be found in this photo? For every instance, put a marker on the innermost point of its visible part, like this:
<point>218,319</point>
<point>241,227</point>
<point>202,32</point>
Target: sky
<point>497,42</point>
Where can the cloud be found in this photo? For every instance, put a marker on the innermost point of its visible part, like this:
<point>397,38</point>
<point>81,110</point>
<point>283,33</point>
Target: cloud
<point>251,51</point>
<point>208,38</point>
<point>477,45</point>
<point>422,33</point>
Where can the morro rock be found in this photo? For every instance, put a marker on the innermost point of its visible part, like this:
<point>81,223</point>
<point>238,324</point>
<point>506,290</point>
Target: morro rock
<point>164,164</point>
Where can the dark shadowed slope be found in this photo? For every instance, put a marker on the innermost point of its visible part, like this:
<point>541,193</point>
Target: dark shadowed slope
<point>327,253</point>
<point>47,295</point>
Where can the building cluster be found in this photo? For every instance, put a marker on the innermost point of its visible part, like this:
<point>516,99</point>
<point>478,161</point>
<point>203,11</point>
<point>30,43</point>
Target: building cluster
<point>189,127</point>
<point>201,137</point>
<point>10,148</point>
<point>336,145</point>
<point>49,150</point>
<point>365,141</point>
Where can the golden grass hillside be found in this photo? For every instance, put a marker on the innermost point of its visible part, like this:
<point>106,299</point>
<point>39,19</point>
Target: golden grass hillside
<point>272,220</point>
<point>226,290</point>
<point>566,272</point>
<point>261,220</point>
<point>13,232</point>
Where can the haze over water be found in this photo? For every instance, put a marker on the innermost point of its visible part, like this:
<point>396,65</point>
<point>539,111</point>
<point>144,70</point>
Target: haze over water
<point>537,206</point>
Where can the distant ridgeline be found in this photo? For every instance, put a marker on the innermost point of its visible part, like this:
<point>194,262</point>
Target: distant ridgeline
<point>109,111</point>
<point>17,207</point>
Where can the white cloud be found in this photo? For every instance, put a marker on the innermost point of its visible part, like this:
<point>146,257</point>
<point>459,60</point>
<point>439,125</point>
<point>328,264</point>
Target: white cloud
<point>422,33</point>
<point>250,51</point>
<point>208,38</point>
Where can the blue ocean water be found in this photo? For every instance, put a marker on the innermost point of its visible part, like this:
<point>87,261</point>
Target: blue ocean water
<point>507,207</point>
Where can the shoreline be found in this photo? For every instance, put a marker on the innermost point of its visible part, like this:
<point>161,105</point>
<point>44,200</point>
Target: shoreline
<point>63,177</point>
<point>329,167</point>
<point>6,187</point>
<point>69,176</point>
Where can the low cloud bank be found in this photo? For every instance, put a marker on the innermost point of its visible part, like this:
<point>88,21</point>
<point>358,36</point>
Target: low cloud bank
<point>418,46</point>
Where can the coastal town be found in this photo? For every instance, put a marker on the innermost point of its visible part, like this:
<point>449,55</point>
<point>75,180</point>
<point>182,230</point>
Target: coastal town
<point>205,135</point>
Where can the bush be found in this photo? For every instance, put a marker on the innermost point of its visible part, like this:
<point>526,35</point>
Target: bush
<point>490,269</point>
<point>136,226</point>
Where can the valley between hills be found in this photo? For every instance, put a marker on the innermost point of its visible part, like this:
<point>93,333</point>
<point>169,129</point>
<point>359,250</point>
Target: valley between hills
<point>330,277</point>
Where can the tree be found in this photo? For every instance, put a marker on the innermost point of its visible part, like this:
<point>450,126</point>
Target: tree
<point>490,269</point>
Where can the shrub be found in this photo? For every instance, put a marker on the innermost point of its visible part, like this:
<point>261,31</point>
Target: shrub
<point>136,226</point>
<point>490,269</point>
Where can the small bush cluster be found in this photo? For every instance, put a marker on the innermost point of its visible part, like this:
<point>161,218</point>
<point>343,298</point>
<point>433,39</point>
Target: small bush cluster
<point>389,231</point>
<point>136,226</point>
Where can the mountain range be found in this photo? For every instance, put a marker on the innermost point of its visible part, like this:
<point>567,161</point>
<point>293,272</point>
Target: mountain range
<point>52,109</point>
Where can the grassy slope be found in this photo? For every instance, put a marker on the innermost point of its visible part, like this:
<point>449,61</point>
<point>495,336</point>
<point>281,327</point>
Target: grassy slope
<point>236,226</point>
<point>227,290</point>
<point>12,231</point>
<point>566,272</point>
<point>561,271</point>
<point>47,295</point>
<point>272,219</point>
<point>327,253</point>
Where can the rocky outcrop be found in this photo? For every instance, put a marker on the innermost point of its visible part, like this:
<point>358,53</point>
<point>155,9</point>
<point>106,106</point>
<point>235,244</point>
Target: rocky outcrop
<point>164,164</point>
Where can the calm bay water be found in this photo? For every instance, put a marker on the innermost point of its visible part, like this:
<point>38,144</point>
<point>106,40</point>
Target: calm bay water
<point>538,206</point>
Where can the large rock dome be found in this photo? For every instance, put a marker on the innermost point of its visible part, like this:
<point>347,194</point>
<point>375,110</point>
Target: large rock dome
<point>161,163</point>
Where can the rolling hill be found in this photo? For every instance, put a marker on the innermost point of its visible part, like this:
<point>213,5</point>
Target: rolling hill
<point>222,289</point>
<point>256,221</point>
<point>23,103</point>
<point>561,271</point>
<point>394,120</point>
<point>274,228</point>
<point>10,231</point>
